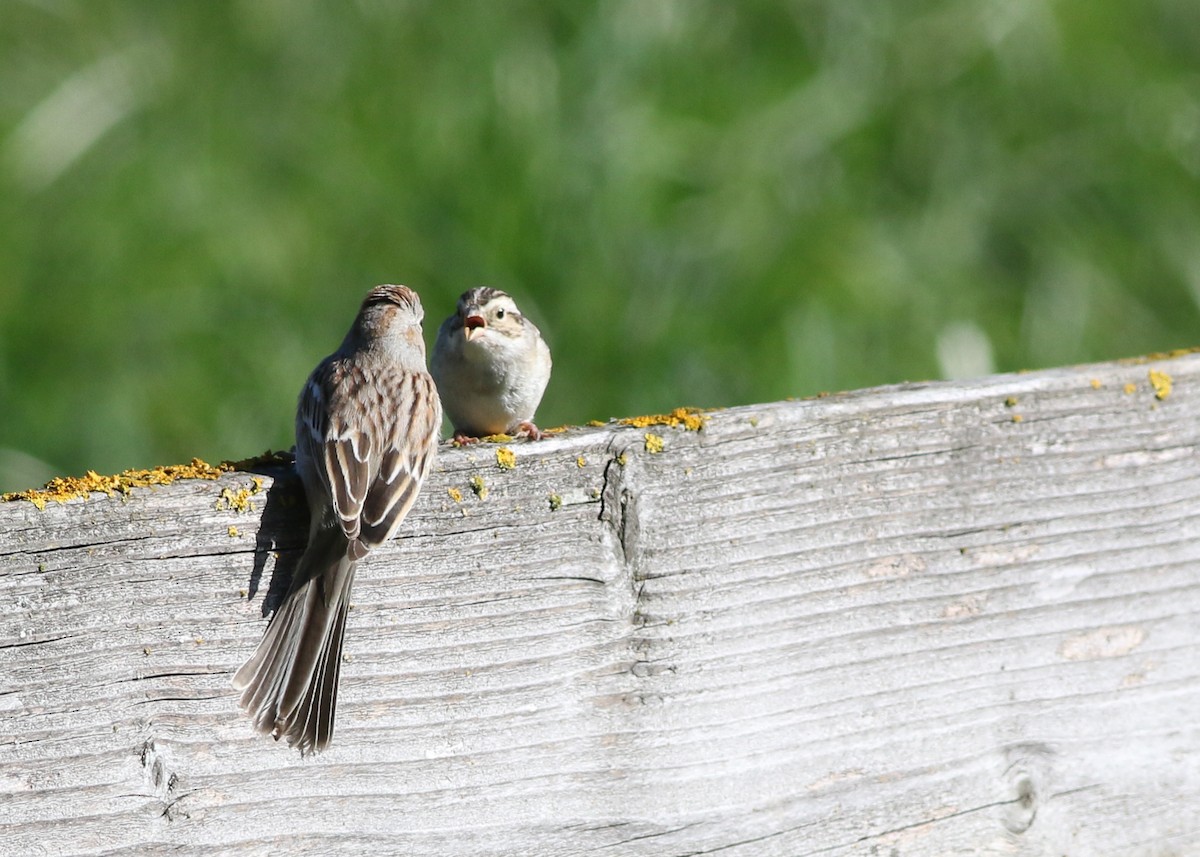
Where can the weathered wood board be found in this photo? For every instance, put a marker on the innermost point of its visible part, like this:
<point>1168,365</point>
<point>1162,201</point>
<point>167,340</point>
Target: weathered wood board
<point>918,620</point>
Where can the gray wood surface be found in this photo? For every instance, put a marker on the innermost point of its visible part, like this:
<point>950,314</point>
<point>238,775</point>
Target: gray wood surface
<point>919,620</point>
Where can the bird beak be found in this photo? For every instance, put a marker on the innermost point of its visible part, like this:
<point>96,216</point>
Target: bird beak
<point>473,323</point>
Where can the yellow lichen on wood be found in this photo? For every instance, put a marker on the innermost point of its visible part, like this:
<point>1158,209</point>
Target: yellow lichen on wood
<point>478,486</point>
<point>580,461</point>
<point>555,502</point>
<point>1160,355</point>
<point>239,500</point>
<point>1161,382</point>
<point>455,494</point>
<point>689,418</point>
<point>506,459</point>
<point>64,488</point>
<point>654,443</point>
<point>1096,383</point>
<point>1130,388</point>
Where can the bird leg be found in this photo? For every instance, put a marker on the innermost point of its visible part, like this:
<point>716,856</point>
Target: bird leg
<point>529,430</point>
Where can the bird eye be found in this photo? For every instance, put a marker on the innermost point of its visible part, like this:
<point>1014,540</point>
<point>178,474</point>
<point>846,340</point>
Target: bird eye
<point>500,313</point>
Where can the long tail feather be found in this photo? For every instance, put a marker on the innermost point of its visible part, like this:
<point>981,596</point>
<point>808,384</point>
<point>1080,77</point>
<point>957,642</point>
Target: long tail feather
<point>289,684</point>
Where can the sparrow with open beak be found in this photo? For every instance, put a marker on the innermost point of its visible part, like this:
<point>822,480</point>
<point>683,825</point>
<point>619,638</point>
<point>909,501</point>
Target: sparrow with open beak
<point>491,367</point>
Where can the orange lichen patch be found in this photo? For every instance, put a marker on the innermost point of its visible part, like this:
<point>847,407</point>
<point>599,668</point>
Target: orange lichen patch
<point>654,443</point>
<point>689,418</point>
<point>1161,382</point>
<point>454,494</point>
<point>64,488</point>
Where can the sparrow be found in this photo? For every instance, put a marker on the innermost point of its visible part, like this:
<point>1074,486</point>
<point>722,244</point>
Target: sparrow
<point>367,428</point>
<point>491,366</point>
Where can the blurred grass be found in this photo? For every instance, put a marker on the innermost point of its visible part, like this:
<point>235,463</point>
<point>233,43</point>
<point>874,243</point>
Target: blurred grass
<point>703,203</point>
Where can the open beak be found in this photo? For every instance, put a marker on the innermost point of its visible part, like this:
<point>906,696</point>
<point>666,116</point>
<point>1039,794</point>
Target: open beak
<point>473,325</point>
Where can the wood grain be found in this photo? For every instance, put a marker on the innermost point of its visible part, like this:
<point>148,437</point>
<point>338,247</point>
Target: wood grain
<point>925,619</point>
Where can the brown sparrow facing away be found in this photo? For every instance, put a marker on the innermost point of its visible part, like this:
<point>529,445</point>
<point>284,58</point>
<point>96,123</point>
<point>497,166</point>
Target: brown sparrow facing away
<point>491,366</point>
<point>367,427</point>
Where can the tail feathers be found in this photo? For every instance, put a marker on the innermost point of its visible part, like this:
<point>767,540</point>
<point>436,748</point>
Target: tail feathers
<point>308,722</point>
<point>289,685</point>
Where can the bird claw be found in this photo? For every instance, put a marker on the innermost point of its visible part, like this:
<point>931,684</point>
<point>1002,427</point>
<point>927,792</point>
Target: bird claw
<point>529,430</point>
<point>461,439</point>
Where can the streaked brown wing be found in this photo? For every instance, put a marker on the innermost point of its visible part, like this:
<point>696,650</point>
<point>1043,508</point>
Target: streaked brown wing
<point>389,503</point>
<point>348,468</point>
<point>311,420</point>
<point>404,463</point>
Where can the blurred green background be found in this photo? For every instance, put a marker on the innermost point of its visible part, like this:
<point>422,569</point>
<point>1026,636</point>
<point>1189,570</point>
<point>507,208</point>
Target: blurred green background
<point>701,202</point>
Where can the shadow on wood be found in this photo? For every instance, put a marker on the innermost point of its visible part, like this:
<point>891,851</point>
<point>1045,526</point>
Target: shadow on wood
<point>925,619</point>
<point>282,531</point>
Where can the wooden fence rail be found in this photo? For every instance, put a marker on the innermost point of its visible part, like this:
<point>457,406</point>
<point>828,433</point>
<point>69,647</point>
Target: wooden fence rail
<point>948,618</point>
